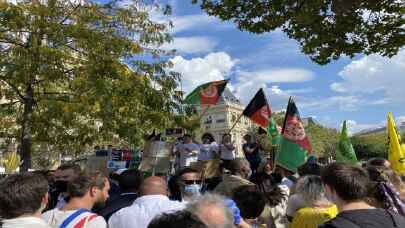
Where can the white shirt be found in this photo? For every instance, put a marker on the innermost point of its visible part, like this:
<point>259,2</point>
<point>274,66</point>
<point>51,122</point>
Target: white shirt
<point>25,222</point>
<point>207,151</point>
<point>56,217</point>
<point>188,153</point>
<point>226,153</point>
<point>142,211</point>
<point>286,182</point>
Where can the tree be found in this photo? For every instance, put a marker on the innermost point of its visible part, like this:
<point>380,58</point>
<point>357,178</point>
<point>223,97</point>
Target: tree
<point>76,72</point>
<point>325,29</point>
<point>370,145</point>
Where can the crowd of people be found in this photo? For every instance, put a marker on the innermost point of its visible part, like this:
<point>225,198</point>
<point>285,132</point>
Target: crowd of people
<point>250,192</point>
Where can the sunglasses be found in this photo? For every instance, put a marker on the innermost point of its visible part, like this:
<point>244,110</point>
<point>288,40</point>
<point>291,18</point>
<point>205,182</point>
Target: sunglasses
<point>192,182</point>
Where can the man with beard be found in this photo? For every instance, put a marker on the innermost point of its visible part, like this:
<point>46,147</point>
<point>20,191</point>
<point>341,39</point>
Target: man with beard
<point>85,192</point>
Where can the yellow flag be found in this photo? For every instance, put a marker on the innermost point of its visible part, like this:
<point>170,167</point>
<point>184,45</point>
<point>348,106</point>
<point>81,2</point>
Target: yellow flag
<point>12,162</point>
<point>396,154</point>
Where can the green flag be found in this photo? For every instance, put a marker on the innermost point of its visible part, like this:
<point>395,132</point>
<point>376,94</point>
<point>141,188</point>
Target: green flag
<point>206,94</point>
<point>294,143</point>
<point>273,132</point>
<point>345,151</point>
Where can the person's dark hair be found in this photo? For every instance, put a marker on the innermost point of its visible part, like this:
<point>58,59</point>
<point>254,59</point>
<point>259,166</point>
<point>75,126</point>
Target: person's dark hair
<point>350,182</point>
<point>187,170</point>
<point>235,165</point>
<point>75,167</point>
<point>309,168</point>
<point>179,219</point>
<point>208,135</point>
<point>377,162</point>
<point>268,185</point>
<point>130,180</point>
<point>249,200</point>
<point>84,182</point>
<point>21,194</point>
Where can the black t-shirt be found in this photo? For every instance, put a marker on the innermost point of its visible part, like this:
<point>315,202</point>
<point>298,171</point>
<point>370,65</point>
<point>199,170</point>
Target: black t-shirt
<point>254,156</point>
<point>366,218</point>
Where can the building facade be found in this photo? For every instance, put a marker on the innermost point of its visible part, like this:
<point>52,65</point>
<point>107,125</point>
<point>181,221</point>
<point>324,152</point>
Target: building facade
<point>219,119</point>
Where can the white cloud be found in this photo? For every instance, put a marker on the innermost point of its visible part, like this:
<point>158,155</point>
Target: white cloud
<point>248,83</point>
<point>195,44</point>
<point>372,74</point>
<point>196,71</point>
<point>353,127</point>
<point>343,103</point>
<point>278,75</point>
<point>196,21</point>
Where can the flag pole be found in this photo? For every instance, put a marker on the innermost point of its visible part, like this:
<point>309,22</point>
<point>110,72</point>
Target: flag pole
<point>233,126</point>
<point>277,149</point>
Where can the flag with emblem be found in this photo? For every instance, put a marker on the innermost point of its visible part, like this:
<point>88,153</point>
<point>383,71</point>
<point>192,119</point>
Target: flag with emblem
<point>258,110</point>
<point>206,94</point>
<point>345,151</point>
<point>396,153</point>
<point>294,144</point>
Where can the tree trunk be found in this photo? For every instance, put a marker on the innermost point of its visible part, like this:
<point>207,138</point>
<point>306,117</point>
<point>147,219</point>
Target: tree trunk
<point>26,133</point>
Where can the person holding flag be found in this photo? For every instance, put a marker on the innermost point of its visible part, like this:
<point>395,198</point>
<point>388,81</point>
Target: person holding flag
<point>396,153</point>
<point>345,151</point>
<point>294,143</point>
<point>258,110</point>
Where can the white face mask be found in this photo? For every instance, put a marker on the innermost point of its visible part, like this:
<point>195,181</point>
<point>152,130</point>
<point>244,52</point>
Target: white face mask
<point>192,189</point>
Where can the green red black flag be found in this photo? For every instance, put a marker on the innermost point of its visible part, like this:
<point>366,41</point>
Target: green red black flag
<point>206,94</point>
<point>294,145</point>
<point>258,110</point>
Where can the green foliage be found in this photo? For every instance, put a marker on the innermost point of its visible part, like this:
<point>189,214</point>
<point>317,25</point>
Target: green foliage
<point>75,73</point>
<point>326,29</point>
<point>372,145</point>
<point>323,140</point>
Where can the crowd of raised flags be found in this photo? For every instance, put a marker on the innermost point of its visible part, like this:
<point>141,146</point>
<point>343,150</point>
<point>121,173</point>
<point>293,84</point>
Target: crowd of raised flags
<point>293,145</point>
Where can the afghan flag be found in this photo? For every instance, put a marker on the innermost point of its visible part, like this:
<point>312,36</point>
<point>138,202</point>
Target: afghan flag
<point>345,151</point>
<point>294,144</point>
<point>206,94</point>
<point>258,110</point>
<point>396,152</point>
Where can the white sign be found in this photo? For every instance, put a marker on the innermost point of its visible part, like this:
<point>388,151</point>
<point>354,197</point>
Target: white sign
<point>116,164</point>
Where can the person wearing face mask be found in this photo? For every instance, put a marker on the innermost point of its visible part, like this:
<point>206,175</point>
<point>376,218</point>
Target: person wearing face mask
<point>190,184</point>
<point>62,176</point>
<point>85,192</point>
<point>239,176</point>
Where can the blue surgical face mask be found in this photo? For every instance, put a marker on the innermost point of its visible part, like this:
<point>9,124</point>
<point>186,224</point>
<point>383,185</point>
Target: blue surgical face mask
<point>192,189</point>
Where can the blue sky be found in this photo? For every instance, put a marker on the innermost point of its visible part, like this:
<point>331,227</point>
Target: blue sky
<point>361,90</point>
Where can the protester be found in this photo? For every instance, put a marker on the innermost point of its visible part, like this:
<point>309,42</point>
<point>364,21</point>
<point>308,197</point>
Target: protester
<point>179,219</point>
<point>62,176</point>
<point>153,201</point>
<point>239,176</point>
<point>23,197</point>
<point>188,151</point>
<point>250,202</point>
<point>85,192</point>
<point>189,183</point>
<point>251,151</point>
<point>347,186</point>
<point>311,167</point>
<point>318,209</point>
<point>227,150</point>
<point>212,210</point>
<point>288,178</point>
<point>387,189</point>
<point>208,148</point>
<point>276,196</point>
<point>129,182</point>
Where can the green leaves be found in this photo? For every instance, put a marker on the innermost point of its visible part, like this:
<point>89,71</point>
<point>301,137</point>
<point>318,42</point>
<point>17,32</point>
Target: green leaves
<point>86,64</point>
<point>326,29</point>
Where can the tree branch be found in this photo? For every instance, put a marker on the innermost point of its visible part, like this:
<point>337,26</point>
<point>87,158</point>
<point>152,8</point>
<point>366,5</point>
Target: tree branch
<point>14,87</point>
